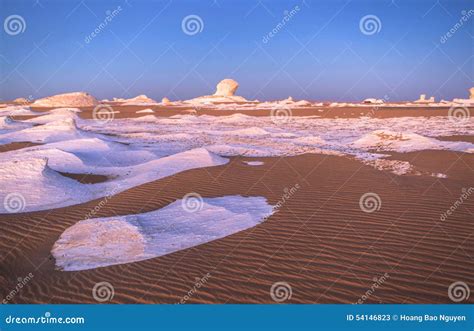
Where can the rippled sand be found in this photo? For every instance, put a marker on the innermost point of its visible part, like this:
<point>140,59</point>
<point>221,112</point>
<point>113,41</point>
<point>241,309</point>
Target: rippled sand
<point>320,241</point>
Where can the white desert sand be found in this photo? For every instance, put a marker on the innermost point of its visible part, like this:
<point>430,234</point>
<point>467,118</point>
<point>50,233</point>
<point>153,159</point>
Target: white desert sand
<point>100,242</point>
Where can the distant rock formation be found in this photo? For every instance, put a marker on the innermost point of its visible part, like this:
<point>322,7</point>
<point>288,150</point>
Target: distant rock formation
<point>165,101</point>
<point>469,101</point>
<point>288,100</point>
<point>139,99</point>
<point>225,91</point>
<point>74,99</point>
<point>373,101</point>
<point>21,101</point>
<point>226,88</point>
<point>142,98</point>
<point>423,99</point>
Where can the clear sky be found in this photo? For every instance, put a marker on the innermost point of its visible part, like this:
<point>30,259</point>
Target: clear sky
<point>319,52</point>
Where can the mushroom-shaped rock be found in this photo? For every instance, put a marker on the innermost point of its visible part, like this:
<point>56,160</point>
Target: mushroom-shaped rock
<point>226,88</point>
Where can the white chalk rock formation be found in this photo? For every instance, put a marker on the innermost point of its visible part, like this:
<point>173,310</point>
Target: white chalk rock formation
<point>21,101</point>
<point>74,99</point>
<point>165,101</point>
<point>372,101</point>
<point>226,88</point>
<point>423,99</point>
<point>469,101</point>
<point>225,92</point>
<point>140,99</point>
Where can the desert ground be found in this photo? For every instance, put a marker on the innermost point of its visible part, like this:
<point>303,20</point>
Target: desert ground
<point>333,203</point>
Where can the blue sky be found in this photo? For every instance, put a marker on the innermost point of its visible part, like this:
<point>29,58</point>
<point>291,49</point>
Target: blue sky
<point>319,54</point>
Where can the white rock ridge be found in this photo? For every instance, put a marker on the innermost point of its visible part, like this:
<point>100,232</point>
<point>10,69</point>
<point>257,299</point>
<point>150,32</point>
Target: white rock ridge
<point>74,99</point>
<point>142,98</point>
